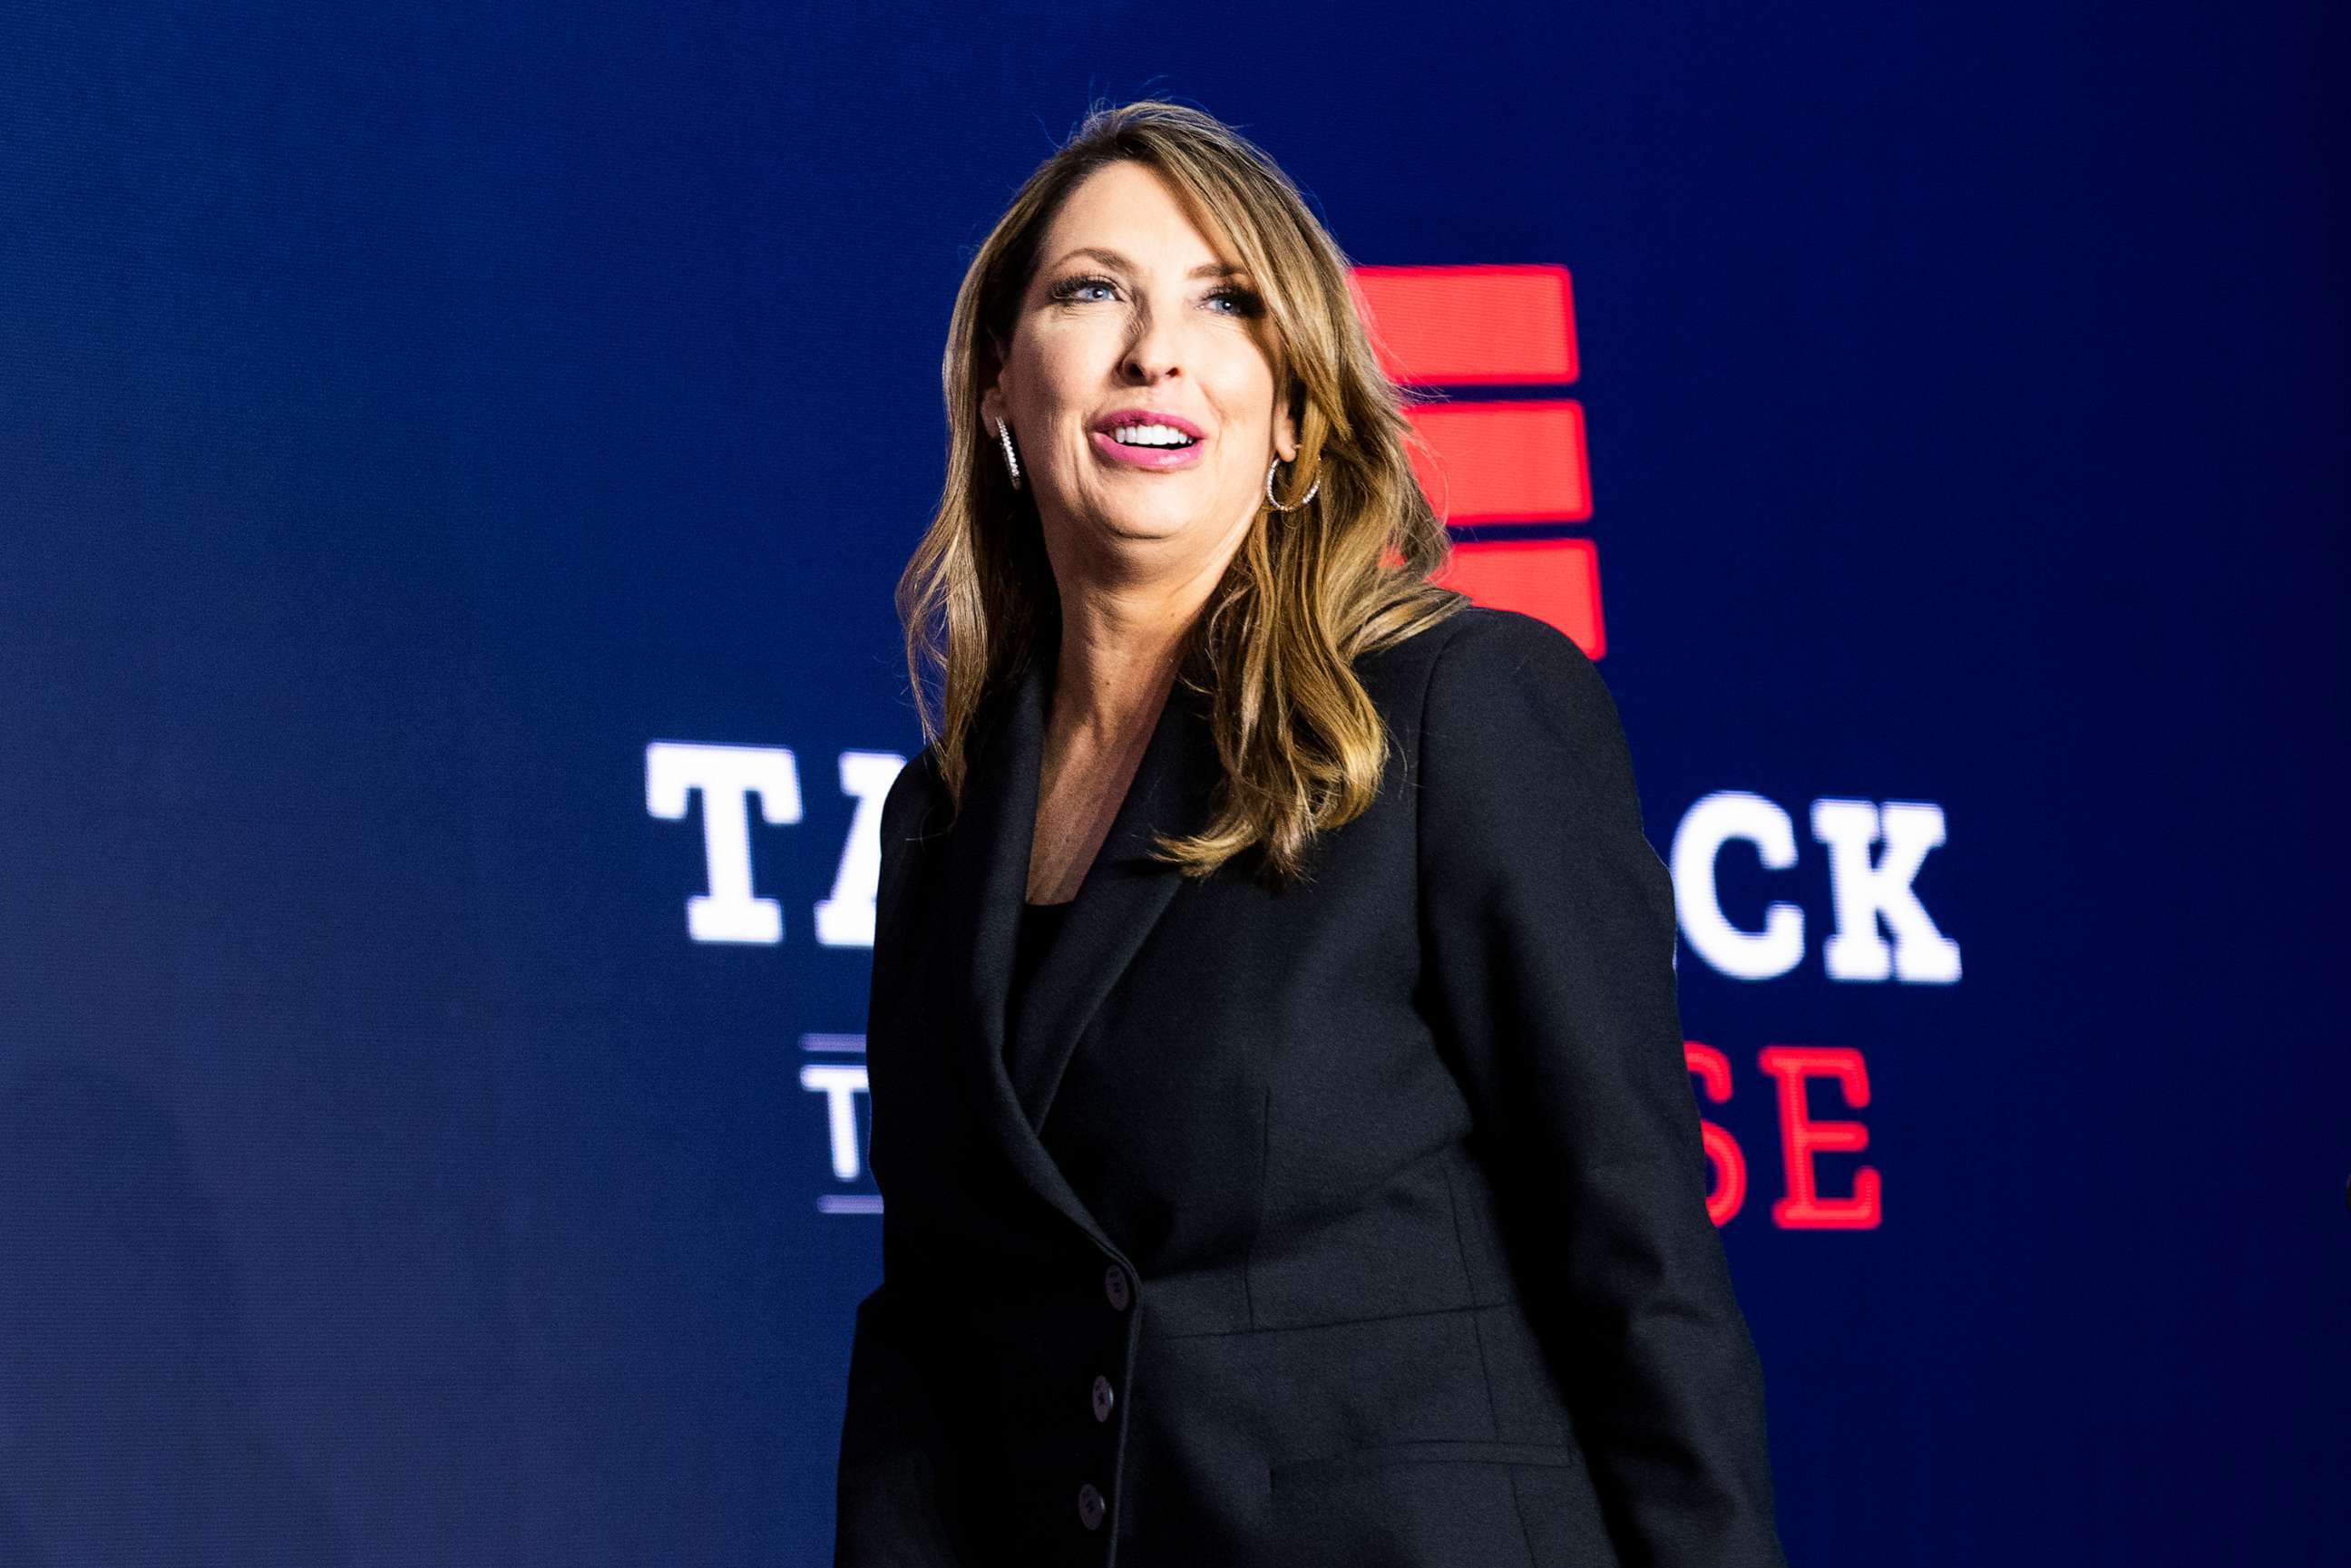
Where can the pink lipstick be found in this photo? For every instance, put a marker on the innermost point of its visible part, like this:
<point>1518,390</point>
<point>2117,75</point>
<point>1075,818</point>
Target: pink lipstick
<point>1154,426</point>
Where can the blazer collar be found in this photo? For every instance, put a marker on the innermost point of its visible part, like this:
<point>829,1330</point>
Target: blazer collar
<point>1122,898</point>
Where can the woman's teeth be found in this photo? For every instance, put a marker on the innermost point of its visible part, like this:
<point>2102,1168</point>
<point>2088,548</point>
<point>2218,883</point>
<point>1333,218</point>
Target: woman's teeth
<point>1150,435</point>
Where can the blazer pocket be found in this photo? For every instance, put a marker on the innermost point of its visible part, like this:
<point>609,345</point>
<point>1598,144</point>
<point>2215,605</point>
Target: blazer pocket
<point>1291,1472</point>
<point>1411,1505</point>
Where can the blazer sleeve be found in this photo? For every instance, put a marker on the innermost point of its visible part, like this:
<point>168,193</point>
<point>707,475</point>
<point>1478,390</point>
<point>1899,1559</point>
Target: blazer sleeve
<point>1548,928</point>
<point>886,1493</point>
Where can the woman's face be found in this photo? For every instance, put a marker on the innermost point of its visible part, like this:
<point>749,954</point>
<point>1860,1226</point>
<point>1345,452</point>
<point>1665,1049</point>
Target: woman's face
<point>1136,326</point>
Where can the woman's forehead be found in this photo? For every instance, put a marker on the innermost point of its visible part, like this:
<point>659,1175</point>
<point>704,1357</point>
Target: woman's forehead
<point>1130,213</point>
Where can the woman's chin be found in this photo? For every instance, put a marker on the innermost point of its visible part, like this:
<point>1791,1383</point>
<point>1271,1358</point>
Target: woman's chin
<point>1160,522</point>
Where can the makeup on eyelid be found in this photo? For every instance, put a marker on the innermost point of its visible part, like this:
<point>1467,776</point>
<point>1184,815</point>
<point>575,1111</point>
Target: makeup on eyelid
<point>1245,300</point>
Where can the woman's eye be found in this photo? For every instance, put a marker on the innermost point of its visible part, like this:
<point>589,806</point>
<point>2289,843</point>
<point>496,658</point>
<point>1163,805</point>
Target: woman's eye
<point>1232,301</point>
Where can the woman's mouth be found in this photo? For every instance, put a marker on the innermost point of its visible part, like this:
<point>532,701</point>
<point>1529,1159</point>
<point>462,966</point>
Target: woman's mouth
<point>1145,442</point>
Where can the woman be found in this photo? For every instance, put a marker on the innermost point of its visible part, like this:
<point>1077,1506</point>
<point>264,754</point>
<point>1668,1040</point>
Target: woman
<point>1327,1188</point>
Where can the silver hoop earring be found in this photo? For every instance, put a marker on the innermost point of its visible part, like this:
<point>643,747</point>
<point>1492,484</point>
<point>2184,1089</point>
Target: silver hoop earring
<point>1011,458</point>
<point>1294,505</point>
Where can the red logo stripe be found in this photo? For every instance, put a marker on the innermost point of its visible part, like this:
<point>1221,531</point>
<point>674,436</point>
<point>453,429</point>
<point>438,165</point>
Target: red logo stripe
<point>1556,581</point>
<point>1504,461</point>
<point>1471,326</point>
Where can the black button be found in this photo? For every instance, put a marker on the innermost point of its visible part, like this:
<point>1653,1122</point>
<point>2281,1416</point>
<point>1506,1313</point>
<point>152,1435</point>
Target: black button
<point>1114,1286</point>
<point>1104,1398</point>
<point>1091,1507</point>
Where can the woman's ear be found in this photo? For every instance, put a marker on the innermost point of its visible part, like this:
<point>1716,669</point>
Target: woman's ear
<point>993,404</point>
<point>1285,431</point>
<point>991,392</point>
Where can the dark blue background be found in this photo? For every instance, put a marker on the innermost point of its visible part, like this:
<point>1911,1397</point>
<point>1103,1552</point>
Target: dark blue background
<point>407,413</point>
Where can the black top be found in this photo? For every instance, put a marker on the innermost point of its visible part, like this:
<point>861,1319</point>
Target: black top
<point>1038,922</point>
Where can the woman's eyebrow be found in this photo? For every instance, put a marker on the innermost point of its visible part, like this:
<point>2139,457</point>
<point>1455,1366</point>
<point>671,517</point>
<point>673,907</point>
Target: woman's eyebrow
<point>1107,258</point>
<point>1112,258</point>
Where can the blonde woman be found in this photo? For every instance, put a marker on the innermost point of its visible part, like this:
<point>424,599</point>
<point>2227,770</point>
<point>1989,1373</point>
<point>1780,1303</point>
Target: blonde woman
<point>1277,1078</point>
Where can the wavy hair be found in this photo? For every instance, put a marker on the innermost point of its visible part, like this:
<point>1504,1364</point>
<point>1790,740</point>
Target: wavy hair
<point>1307,591</point>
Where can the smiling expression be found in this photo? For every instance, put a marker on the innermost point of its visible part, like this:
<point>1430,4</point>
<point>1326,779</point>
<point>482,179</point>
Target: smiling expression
<point>1137,381</point>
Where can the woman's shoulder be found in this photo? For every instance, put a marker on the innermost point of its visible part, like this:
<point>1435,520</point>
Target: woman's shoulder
<point>1483,657</point>
<point>1517,728</point>
<point>1513,714</point>
<point>918,787</point>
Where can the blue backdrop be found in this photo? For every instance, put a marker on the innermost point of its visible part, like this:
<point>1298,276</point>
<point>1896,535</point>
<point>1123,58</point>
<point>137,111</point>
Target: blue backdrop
<point>416,421</point>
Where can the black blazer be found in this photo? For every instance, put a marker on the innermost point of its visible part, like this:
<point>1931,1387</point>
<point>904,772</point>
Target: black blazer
<point>1358,1224</point>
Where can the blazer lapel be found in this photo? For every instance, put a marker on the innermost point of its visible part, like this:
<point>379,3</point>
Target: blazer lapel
<point>1122,898</point>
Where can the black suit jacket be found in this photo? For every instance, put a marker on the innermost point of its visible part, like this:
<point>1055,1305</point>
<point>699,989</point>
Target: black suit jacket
<point>1362,1223</point>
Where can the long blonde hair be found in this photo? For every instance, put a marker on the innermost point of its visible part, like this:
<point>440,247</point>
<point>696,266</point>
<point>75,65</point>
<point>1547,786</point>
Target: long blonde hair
<point>1307,590</point>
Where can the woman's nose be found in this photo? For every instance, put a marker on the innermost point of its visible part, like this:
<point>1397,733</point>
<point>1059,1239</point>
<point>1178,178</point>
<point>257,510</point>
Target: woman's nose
<point>1150,354</point>
<point>1143,367</point>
